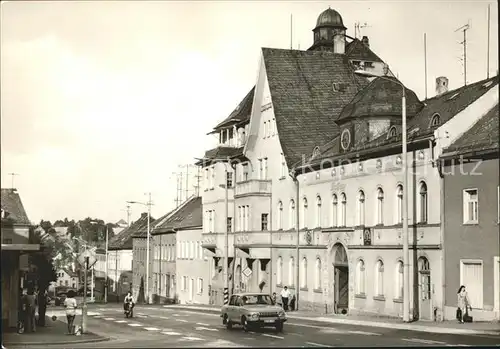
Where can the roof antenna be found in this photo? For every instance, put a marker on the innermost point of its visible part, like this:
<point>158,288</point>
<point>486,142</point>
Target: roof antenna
<point>488,54</point>
<point>12,174</point>
<point>425,63</point>
<point>464,29</point>
<point>291,31</point>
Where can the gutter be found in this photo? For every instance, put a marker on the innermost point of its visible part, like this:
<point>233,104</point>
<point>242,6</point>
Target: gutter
<point>468,154</point>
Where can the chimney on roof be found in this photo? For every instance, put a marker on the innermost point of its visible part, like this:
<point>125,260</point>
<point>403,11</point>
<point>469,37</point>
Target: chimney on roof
<point>441,85</point>
<point>144,215</point>
<point>365,41</point>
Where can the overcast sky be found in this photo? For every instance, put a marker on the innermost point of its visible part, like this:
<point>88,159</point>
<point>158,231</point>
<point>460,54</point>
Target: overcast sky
<point>101,101</point>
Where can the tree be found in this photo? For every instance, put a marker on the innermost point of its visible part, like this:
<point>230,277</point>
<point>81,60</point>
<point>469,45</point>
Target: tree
<point>140,296</point>
<point>45,272</point>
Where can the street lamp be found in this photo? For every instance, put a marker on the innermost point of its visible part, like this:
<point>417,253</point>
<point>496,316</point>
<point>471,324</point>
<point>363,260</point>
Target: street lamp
<point>406,254</point>
<point>148,205</point>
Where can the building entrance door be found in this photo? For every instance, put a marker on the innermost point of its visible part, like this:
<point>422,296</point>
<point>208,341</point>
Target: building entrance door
<point>341,280</point>
<point>424,271</point>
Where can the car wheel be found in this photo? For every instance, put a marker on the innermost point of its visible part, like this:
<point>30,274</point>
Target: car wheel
<point>244,323</point>
<point>279,327</point>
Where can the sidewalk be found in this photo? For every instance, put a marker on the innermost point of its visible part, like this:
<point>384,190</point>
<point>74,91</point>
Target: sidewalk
<point>54,332</point>
<point>449,327</point>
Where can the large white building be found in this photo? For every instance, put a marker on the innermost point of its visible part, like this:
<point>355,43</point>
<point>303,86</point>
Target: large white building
<point>312,157</point>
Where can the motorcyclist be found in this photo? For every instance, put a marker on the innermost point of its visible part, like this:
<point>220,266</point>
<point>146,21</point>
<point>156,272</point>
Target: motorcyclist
<point>128,301</point>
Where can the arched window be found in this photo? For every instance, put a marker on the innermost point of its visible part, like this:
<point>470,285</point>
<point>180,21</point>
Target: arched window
<point>291,272</point>
<point>343,210</point>
<point>361,208</point>
<point>293,215</point>
<point>436,120</point>
<point>280,215</point>
<point>423,202</point>
<point>279,271</point>
<point>335,204</point>
<point>399,197</point>
<point>399,280</point>
<point>304,213</point>
<point>360,280</point>
<point>391,133</point>
<point>379,278</point>
<point>318,211</point>
<point>316,152</point>
<point>303,273</point>
<point>380,206</point>
<point>317,276</point>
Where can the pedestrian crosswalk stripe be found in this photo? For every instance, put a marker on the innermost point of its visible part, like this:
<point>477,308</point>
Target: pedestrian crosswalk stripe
<point>135,325</point>
<point>181,320</point>
<point>191,338</point>
<point>109,318</point>
<point>151,329</point>
<point>202,324</point>
<point>365,333</point>
<point>171,333</point>
<point>424,341</point>
<point>120,321</point>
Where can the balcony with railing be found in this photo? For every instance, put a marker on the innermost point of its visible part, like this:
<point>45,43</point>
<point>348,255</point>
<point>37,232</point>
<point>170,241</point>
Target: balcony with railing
<point>253,187</point>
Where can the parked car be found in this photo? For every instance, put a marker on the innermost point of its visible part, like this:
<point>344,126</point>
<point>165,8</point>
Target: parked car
<point>253,310</point>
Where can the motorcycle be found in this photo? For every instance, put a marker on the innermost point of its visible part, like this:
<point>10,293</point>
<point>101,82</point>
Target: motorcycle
<point>129,310</point>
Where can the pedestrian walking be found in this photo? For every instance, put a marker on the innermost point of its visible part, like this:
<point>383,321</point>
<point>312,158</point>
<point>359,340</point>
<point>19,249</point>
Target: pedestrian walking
<point>285,294</point>
<point>463,304</point>
<point>30,324</point>
<point>70,304</point>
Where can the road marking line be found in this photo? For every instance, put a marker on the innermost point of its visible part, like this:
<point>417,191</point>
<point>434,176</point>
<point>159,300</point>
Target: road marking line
<point>170,333</point>
<point>365,333</point>
<point>109,318</point>
<point>181,320</point>
<point>424,341</point>
<point>151,329</point>
<point>202,324</point>
<point>120,321</point>
<point>272,336</point>
<point>317,345</point>
<point>191,339</point>
<point>163,317</point>
<point>205,328</point>
<point>141,316</point>
<point>135,325</point>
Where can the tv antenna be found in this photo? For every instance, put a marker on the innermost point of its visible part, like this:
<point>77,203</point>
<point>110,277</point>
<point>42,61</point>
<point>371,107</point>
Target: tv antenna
<point>12,174</point>
<point>357,28</point>
<point>464,29</point>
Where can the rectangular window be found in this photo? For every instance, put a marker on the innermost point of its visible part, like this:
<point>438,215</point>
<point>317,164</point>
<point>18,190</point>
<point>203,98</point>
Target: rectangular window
<point>212,180</point>
<point>264,221</point>
<point>261,169</point>
<point>471,206</point>
<point>274,126</point>
<point>247,217</point>
<point>283,165</point>
<point>207,183</point>
<point>264,164</point>
<point>200,286</point>
<point>244,172</point>
<point>229,179</point>
<point>471,276</point>
<point>229,224</point>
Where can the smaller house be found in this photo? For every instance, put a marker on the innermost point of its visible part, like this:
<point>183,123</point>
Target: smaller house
<point>67,277</point>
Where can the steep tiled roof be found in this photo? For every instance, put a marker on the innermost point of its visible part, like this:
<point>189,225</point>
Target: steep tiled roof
<point>13,207</point>
<point>241,113</point>
<point>123,241</point>
<point>304,99</point>
<point>356,50</point>
<point>483,135</point>
<point>70,272</point>
<point>220,153</point>
<point>188,215</point>
<point>382,97</point>
<point>448,108</point>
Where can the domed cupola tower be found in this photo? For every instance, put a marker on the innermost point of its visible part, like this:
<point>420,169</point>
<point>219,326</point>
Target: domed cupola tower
<point>329,33</point>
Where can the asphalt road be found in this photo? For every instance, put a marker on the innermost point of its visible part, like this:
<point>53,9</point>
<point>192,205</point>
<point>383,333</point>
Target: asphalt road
<point>157,326</point>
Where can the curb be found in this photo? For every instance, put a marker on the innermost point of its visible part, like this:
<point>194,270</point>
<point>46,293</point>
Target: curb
<point>417,328</point>
<point>80,341</point>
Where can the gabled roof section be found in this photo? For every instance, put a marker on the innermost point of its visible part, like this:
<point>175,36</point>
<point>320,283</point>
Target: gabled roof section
<point>70,272</point>
<point>123,241</point>
<point>304,99</point>
<point>447,107</point>
<point>219,153</point>
<point>356,50</point>
<point>382,97</point>
<point>240,114</point>
<point>12,207</point>
<point>186,216</point>
<point>482,136</point>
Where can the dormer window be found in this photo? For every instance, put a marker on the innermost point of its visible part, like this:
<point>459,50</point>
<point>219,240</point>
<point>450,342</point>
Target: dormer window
<point>316,152</point>
<point>436,120</point>
<point>391,133</point>
<point>368,64</point>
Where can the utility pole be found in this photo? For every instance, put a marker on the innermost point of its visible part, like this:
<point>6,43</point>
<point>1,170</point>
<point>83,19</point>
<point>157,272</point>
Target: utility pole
<point>357,29</point>
<point>128,214</point>
<point>12,174</point>
<point>148,204</point>
<point>464,43</point>
<point>488,52</point>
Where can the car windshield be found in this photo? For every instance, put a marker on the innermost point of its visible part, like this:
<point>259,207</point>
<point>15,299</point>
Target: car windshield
<point>257,299</point>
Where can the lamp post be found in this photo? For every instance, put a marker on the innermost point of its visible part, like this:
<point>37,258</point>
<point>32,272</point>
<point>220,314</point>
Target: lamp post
<point>404,164</point>
<point>148,205</point>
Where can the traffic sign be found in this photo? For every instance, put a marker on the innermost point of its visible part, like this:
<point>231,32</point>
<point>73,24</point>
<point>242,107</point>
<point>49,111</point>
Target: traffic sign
<point>247,272</point>
<point>90,254</point>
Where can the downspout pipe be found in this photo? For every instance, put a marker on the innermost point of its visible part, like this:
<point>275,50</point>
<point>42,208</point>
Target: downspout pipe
<point>294,176</point>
